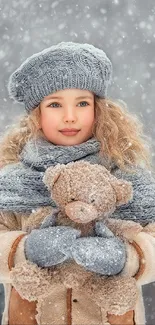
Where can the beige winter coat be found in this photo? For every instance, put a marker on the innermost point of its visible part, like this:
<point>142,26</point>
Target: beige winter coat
<point>53,309</point>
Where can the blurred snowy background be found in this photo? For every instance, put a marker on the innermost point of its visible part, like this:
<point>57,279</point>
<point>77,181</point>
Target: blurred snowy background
<point>125,29</point>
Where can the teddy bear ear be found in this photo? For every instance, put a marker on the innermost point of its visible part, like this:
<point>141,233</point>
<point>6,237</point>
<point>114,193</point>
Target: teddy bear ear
<point>124,191</point>
<point>52,174</point>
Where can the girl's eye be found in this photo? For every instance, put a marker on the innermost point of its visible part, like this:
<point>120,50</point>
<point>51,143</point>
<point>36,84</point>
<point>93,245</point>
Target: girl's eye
<point>55,105</point>
<point>83,104</point>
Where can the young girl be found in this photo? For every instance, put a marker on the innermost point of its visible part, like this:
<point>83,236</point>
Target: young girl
<point>69,118</point>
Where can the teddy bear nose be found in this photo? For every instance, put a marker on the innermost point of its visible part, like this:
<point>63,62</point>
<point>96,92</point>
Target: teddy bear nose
<point>81,212</point>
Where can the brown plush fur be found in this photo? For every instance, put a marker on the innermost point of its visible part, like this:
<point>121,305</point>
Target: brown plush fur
<point>115,295</point>
<point>86,192</point>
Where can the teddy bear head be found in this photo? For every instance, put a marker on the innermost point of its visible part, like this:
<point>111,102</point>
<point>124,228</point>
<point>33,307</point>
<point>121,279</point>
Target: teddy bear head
<point>86,191</point>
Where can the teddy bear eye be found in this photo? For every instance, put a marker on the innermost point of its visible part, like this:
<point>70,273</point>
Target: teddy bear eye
<point>92,200</point>
<point>72,199</point>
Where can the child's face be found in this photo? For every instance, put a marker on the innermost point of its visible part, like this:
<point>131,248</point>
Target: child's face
<point>67,109</point>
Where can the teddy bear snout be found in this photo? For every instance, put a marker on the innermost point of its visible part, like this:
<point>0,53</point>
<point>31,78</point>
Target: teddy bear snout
<point>81,212</point>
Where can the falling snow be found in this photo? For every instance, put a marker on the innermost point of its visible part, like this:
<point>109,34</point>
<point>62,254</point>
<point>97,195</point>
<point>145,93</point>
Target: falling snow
<point>124,29</point>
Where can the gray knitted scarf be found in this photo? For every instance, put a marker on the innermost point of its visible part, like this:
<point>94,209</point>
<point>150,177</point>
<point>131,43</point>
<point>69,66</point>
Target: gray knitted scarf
<point>21,185</point>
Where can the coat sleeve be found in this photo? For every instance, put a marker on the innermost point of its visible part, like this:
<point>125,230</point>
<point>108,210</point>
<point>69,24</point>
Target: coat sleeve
<point>140,261</point>
<point>9,232</point>
<point>140,209</point>
<point>142,206</point>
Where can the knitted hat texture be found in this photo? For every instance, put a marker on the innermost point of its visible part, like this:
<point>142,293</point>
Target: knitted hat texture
<point>62,66</point>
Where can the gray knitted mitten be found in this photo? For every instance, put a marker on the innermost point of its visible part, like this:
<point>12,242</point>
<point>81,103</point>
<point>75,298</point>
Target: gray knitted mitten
<point>104,254</point>
<point>45,246</point>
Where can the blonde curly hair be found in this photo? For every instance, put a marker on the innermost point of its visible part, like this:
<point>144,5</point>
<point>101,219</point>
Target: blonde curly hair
<point>119,132</point>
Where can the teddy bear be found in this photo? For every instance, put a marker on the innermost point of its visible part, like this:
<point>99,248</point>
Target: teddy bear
<point>84,193</point>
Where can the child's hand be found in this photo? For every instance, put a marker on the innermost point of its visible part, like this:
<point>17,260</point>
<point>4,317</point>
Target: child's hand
<point>104,254</point>
<point>46,246</point>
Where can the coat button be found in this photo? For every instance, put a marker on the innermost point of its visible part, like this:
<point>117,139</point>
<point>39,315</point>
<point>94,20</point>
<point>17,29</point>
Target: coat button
<point>75,300</point>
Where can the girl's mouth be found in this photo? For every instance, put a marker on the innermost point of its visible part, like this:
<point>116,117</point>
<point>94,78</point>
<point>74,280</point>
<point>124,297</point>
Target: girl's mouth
<point>69,133</point>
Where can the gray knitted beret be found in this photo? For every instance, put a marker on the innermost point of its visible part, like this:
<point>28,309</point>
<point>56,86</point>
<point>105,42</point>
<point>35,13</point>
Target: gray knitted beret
<point>61,66</point>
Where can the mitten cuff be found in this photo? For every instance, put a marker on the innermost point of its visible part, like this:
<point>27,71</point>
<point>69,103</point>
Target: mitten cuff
<point>141,255</point>
<point>146,242</point>
<point>141,258</point>
<point>8,239</point>
<point>16,248</point>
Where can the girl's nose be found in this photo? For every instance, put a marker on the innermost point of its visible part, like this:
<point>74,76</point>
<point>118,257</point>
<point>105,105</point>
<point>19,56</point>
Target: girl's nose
<point>70,115</point>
